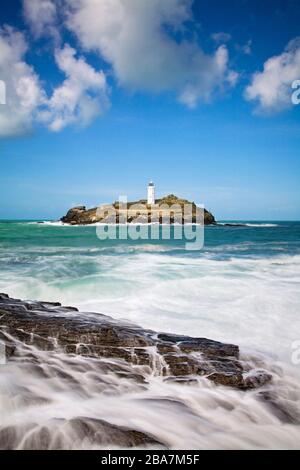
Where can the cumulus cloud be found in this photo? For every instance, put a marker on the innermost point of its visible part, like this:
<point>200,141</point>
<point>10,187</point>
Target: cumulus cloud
<point>81,97</point>
<point>24,93</point>
<point>271,88</point>
<point>41,15</point>
<point>145,44</point>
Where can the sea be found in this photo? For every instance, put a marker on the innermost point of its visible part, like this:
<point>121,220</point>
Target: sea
<point>242,287</point>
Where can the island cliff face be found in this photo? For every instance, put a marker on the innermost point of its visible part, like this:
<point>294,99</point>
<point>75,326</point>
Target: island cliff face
<point>82,216</point>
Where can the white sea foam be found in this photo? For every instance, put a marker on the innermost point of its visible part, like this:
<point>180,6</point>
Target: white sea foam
<point>39,399</point>
<point>261,225</point>
<point>250,301</point>
<point>59,223</point>
<point>247,224</point>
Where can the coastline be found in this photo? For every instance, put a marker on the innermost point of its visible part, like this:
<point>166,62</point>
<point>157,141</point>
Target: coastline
<point>233,224</point>
<point>240,290</point>
<point>35,333</point>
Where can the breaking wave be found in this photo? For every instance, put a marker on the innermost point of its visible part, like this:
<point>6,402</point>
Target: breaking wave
<point>242,288</point>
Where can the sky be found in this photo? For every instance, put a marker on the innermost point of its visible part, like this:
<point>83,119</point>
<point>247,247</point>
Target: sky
<point>103,95</point>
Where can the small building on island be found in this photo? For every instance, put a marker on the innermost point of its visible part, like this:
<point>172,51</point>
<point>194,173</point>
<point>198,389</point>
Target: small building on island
<point>151,193</point>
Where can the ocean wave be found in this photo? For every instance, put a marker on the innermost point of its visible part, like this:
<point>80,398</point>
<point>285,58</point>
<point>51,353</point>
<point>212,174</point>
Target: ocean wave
<point>52,223</point>
<point>250,301</point>
<point>50,400</point>
<point>247,224</point>
<point>96,224</point>
<point>261,225</point>
<point>250,298</point>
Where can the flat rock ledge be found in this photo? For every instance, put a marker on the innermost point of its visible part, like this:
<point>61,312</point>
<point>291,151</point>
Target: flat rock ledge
<point>50,327</point>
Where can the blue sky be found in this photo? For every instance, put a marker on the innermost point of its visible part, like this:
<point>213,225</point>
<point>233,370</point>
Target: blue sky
<point>174,99</point>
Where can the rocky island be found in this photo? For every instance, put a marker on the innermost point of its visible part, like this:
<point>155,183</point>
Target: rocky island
<point>140,212</point>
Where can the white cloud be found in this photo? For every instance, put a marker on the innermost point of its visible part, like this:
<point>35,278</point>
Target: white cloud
<point>271,88</point>
<point>78,100</point>
<point>81,97</point>
<point>41,15</point>
<point>221,37</point>
<point>209,76</point>
<point>137,39</point>
<point>24,93</point>
<point>144,43</point>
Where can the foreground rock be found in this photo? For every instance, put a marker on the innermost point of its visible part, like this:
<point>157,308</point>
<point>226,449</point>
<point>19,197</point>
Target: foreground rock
<point>70,434</point>
<point>50,327</point>
<point>82,216</point>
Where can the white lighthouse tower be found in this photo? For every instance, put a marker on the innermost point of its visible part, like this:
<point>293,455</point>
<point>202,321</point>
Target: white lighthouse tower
<point>151,193</point>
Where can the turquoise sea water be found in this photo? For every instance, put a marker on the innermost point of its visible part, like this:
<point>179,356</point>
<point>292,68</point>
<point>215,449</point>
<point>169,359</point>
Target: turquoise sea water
<point>242,287</point>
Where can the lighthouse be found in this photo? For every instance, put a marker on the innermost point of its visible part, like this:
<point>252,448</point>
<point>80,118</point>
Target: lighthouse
<point>151,193</point>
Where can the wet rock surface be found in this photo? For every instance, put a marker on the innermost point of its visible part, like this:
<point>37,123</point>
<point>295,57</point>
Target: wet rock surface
<point>52,327</point>
<point>95,432</point>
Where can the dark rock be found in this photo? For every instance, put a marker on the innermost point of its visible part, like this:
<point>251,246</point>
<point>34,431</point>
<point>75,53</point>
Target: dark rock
<point>100,432</point>
<point>228,378</point>
<point>208,346</point>
<point>3,296</point>
<point>10,436</point>
<point>257,379</point>
<point>73,434</point>
<point>181,364</point>
<point>284,409</point>
<point>50,327</point>
<point>51,304</point>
